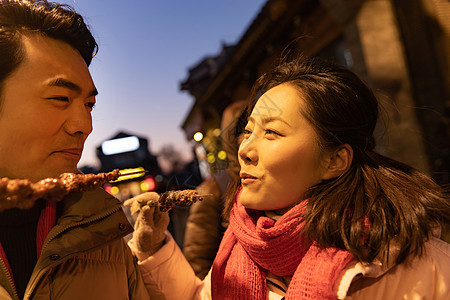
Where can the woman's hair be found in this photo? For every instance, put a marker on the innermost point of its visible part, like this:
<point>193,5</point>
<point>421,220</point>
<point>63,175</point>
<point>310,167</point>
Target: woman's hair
<point>19,18</point>
<point>378,202</point>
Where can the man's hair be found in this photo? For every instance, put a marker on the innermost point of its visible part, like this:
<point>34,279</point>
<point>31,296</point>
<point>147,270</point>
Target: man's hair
<point>19,18</point>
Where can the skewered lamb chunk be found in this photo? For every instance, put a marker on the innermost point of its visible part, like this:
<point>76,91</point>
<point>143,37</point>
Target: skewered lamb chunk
<point>88,182</point>
<point>169,199</point>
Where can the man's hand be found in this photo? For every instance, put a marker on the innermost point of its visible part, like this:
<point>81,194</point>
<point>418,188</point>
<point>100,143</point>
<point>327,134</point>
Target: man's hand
<point>150,224</point>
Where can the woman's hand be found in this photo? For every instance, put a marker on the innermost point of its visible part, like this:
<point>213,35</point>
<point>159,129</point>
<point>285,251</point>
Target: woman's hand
<point>150,224</point>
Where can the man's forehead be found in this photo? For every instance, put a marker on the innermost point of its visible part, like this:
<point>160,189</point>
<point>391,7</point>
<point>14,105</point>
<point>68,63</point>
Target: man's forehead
<point>47,48</point>
<point>56,63</point>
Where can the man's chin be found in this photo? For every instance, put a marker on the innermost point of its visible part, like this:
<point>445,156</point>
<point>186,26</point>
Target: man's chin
<point>56,171</point>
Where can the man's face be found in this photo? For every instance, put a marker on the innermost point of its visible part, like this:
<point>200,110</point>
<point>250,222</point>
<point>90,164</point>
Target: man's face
<point>45,112</point>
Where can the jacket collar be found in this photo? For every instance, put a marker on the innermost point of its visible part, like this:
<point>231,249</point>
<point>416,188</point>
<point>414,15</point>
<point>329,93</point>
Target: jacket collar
<point>85,221</point>
<point>80,206</point>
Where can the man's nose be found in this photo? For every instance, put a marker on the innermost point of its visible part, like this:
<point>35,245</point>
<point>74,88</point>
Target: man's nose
<point>79,120</point>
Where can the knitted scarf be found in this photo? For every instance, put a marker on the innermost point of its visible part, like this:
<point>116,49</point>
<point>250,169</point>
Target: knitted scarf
<point>254,244</point>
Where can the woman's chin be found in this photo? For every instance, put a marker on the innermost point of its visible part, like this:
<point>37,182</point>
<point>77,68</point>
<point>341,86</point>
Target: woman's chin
<point>247,202</point>
<point>253,200</point>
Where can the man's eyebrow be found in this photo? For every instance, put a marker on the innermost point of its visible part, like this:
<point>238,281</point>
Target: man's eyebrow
<point>61,82</point>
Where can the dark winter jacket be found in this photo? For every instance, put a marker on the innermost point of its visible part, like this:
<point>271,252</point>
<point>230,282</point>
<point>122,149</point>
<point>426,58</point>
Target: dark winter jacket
<point>84,256</point>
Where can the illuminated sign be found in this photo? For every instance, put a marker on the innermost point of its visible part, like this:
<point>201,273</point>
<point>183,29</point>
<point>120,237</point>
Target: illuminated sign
<point>127,174</point>
<point>121,145</point>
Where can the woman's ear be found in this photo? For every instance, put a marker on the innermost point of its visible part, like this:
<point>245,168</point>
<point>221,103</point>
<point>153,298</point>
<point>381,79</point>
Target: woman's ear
<point>338,162</point>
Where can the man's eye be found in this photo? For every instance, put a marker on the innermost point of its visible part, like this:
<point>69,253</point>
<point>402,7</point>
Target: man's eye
<point>60,98</point>
<point>91,105</point>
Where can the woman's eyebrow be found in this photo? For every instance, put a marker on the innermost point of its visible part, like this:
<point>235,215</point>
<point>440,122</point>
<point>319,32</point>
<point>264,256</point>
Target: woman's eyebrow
<point>266,120</point>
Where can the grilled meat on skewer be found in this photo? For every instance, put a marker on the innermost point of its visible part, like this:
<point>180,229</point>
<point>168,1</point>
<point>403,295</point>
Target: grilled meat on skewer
<point>22,193</point>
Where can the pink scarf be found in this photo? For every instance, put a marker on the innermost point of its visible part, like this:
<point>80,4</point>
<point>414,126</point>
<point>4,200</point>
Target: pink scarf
<point>250,248</point>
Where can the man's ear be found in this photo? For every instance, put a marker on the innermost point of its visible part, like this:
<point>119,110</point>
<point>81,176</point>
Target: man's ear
<point>338,162</point>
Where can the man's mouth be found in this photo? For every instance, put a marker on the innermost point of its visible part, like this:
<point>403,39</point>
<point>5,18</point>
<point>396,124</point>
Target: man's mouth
<point>74,153</point>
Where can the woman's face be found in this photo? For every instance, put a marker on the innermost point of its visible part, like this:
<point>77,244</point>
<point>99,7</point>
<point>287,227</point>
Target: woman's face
<point>279,156</point>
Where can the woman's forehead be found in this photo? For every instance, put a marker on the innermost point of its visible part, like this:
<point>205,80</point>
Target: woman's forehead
<point>281,100</point>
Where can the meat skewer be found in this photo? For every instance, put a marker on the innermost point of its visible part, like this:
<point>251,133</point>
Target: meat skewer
<point>22,193</point>
<point>169,199</point>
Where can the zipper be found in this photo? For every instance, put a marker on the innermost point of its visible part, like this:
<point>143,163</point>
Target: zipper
<point>10,279</point>
<point>88,221</point>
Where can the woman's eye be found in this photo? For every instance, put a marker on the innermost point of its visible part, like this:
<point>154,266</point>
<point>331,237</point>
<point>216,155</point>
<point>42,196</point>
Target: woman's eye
<point>271,132</point>
<point>246,133</point>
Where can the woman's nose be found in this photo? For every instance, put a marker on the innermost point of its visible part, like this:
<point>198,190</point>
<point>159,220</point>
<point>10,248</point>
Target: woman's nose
<point>247,151</point>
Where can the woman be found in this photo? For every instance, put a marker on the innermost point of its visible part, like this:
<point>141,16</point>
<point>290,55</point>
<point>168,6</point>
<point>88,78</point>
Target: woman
<point>318,214</point>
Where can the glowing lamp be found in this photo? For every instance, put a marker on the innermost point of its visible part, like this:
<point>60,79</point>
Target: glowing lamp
<point>148,184</point>
<point>211,158</point>
<point>198,136</point>
<point>222,155</point>
<point>114,190</point>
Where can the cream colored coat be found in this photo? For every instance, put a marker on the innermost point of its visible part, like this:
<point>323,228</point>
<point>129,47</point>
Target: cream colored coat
<point>428,277</point>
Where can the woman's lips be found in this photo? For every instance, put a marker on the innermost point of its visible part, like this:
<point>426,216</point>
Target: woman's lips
<point>247,178</point>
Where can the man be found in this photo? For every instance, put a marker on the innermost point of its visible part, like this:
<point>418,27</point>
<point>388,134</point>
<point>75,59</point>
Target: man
<point>73,249</point>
